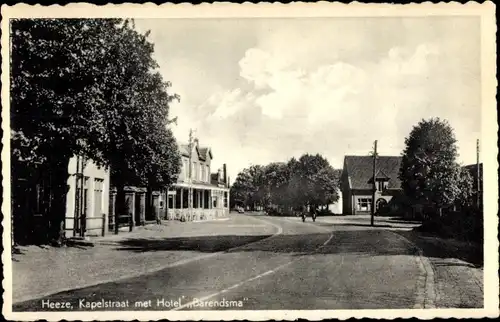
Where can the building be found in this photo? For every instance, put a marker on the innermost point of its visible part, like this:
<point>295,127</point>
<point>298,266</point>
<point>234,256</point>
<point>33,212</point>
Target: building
<point>87,200</point>
<point>198,194</point>
<point>357,182</point>
<point>33,195</point>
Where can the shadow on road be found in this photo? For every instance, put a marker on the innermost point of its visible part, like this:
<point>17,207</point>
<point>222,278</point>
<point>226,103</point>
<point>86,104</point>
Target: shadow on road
<point>360,242</point>
<point>204,244</point>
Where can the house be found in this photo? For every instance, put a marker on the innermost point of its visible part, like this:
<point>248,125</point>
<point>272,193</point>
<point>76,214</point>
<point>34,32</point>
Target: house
<point>32,196</point>
<point>357,182</point>
<point>198,194</point>
<point>87,200</point>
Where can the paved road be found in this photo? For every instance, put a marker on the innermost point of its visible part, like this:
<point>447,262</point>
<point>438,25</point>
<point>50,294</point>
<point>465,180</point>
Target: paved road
<point>301,266</point>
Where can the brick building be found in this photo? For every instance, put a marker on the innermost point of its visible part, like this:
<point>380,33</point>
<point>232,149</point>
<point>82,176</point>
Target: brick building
<point>357,182</point>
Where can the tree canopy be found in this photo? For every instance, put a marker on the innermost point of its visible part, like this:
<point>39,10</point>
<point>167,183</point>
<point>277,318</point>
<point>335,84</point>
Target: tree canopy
<point>429,171</point>
<point>309,180</point>
<point>90,87</point>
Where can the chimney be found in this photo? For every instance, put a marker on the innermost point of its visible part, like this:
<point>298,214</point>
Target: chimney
<point>224,173</point>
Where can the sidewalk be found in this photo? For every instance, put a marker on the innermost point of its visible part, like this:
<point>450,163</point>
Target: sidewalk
<point>457,267</point>
<point>40,271</point>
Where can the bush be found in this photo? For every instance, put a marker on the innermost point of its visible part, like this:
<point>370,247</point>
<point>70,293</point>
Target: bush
<point>466,224</point>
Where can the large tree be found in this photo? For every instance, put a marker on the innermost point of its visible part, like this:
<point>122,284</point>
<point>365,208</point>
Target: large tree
<point>88,87</point>
<point>312,176</point>
<point>307,181</point>
<point>429,172</point>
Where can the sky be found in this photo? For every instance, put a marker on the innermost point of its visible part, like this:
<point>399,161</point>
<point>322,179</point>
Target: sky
<point>259,90</point>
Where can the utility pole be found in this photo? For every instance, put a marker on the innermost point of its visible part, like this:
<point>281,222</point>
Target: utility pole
<point>374,183</point>
<point>478,179</point>
<point>190,173</point>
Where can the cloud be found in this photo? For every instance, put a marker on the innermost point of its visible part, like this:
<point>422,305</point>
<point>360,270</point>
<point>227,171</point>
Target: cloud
<point>340,107</point>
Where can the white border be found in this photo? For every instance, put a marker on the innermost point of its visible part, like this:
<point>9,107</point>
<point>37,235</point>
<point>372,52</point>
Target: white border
<point>489,153</point>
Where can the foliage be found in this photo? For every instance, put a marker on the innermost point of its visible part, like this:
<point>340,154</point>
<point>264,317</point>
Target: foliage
<point>309,180</point>
<point>429,172</point>
<point>90,87</point>
<point>465,189</point>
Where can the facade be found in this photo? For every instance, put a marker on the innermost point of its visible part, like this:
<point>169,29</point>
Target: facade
<point>198,194</point>
<point>32,196</point>
<point>357,183</point>
<point>87,200</point>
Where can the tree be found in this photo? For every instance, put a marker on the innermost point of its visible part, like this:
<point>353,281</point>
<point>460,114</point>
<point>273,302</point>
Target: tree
<point>88,87</point>
<point>306,185</point>
<point>309,180</point>
<point>429,172</point>
<point>465,189</point>
<point>277,176</point>
<point>327,185</point>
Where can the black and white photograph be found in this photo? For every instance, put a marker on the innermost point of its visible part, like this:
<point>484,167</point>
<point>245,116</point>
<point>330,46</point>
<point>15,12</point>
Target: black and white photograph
<point>239,161</point>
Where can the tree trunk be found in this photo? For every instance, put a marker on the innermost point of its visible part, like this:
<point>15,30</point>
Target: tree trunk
<point>120,209</point>
<point>58,172</point>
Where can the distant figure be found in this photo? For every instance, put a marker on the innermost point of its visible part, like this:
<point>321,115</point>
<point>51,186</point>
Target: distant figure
<point>313,213</point>
<point>303,213</point>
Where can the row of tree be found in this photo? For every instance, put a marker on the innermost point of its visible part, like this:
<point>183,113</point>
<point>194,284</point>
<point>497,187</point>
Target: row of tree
<point>430,173</point>
<point>89,87</point>
<point>307,181</point>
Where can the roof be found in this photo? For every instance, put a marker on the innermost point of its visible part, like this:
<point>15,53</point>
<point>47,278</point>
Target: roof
<point>360,170</point>
<point>203,152</point>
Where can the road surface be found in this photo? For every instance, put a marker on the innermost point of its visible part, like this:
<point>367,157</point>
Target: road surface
<point>301,266</point>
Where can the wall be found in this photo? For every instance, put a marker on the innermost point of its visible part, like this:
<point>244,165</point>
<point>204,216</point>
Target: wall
<point>92,172</point>
<point>360,194</point>
<point>346,193</point>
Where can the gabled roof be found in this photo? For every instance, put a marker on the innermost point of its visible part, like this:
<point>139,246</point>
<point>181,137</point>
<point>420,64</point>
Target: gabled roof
<point>203,152</point>
<point>184,149</point>
<point>380,174</point>
<point>360,170</point>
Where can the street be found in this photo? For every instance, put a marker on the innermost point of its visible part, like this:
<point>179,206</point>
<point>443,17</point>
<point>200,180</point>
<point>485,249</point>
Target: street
<point>320,265</point>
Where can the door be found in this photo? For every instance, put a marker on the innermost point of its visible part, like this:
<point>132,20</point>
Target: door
<point>380,204</point>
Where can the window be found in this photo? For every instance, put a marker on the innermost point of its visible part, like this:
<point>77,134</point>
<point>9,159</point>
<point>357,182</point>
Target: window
<point>380,185</point>
<point>185,169</point>
<point>225,199</point>
<point>98,189</point>
<point>195,170</point>
<point>200,173</point>
<point>207,178</point>
<point>364,204</point>
<point>178,199</point>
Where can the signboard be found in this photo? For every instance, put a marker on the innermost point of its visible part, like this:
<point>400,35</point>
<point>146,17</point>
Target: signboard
<point>172,193</point>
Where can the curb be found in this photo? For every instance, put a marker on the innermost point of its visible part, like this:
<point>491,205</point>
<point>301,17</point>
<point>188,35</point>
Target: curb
<point>211,220</point>
<point>171,265</point>
<point>426,286</point>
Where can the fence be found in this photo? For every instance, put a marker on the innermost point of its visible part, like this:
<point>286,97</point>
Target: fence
<point>123,221</point>
<point>80,226</point>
